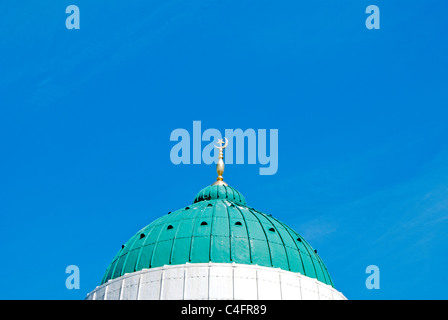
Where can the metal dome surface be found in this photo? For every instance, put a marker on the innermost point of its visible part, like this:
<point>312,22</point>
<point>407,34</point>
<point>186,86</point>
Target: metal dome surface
<point>218,227</point>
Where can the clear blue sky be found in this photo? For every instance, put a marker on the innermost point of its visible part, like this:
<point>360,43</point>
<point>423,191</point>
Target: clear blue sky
<point>86,116</point>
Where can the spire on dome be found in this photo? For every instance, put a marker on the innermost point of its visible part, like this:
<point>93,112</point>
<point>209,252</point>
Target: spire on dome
<point>220,166</point>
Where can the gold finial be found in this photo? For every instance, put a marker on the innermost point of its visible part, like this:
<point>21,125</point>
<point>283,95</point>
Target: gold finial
<point>220,165</point>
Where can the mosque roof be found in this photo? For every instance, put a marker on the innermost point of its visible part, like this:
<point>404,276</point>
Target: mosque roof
<point>218,227</point>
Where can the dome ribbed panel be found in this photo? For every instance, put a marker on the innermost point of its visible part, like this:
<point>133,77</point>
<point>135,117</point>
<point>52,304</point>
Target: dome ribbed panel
<point>220,192</point>
<point>219,230</point>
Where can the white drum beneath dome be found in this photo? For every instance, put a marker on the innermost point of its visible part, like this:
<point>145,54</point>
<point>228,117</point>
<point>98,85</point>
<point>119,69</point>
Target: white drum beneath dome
<point>214,281</point>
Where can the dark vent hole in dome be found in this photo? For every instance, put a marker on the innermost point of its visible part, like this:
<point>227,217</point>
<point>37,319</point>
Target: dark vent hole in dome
<point>238,223</point>
<point>122,246</point>
<point>187,208</point>
<point>142,235</point>
<point>298,239</point>
<point>169,227</point>
<point>272,229</point>
<point>209,205</point>
<point>203,223</point>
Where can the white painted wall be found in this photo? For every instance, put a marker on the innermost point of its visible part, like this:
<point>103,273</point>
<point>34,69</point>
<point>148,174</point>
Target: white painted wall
<point>211,281</point>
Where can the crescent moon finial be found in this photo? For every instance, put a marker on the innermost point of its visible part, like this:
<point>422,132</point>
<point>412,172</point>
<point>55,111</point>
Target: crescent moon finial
<point>221,142</point>
<point>220,165</point>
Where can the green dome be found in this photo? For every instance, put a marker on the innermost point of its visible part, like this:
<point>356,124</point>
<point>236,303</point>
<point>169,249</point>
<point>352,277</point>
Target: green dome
<point>218,227</point>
